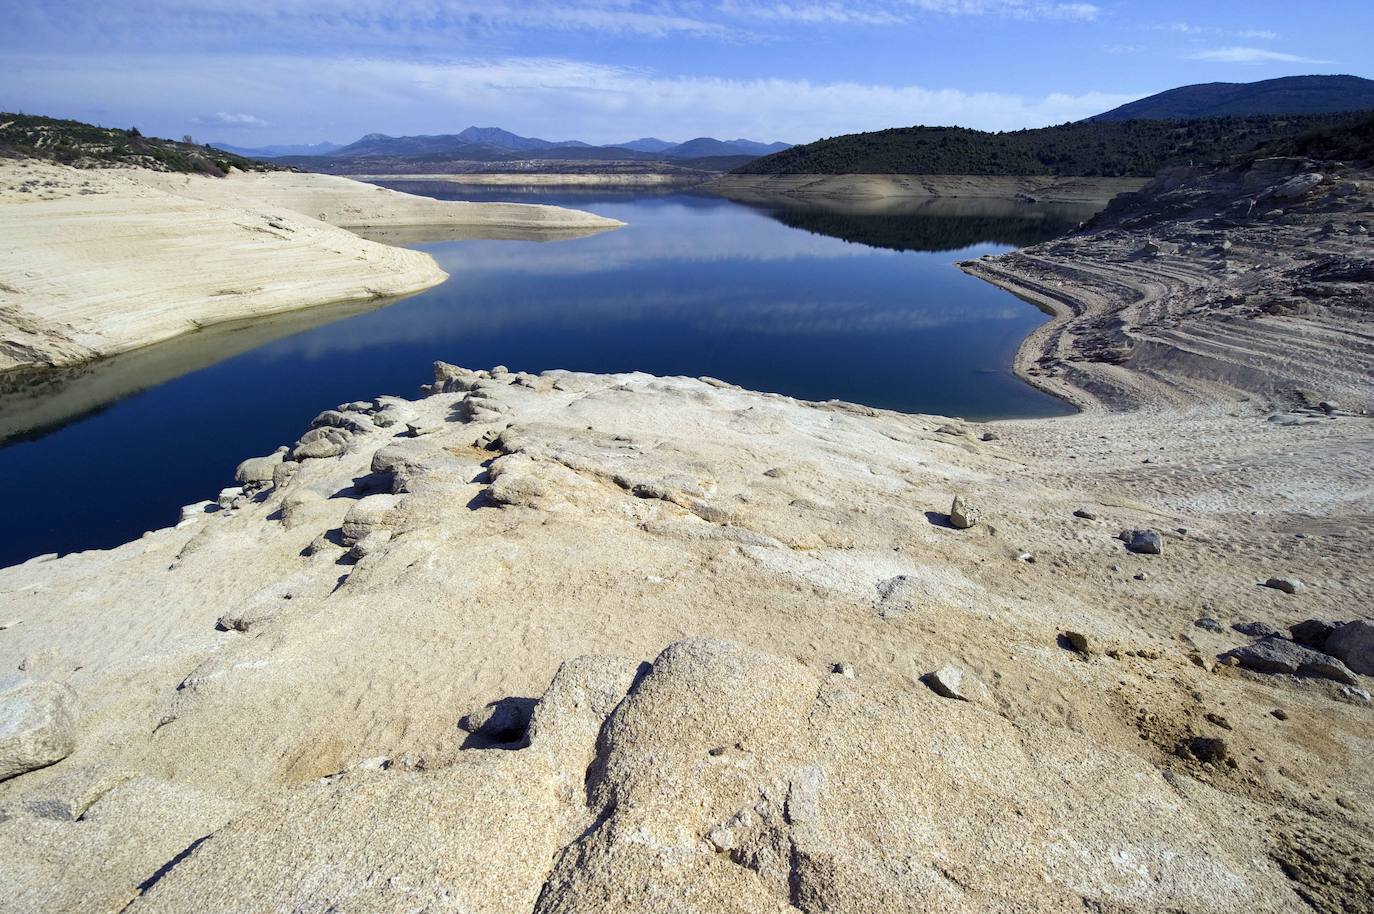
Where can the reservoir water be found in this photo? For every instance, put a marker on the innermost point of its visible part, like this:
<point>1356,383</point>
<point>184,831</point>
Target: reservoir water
<point>854,302</point>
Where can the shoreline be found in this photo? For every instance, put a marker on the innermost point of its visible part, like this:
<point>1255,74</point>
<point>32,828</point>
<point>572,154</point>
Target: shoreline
<point>107,261</point>
<point>541,179</point>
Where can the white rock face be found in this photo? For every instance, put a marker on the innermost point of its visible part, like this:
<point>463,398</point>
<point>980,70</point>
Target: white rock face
<point>618,519</point>
<point>37,724</point>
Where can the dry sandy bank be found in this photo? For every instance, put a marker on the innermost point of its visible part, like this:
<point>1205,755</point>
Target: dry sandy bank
<point>1047,189</point>
<point>98,262</point>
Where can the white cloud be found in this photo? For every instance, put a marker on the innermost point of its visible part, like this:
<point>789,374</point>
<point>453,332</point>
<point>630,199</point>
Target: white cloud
<point>228,119</point>
<point>551,97</point>
<point>1250,55</point>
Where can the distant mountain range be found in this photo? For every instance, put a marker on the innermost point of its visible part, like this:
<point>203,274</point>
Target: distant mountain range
<point>484,144</point>
<point>1286,95</point>
<point>272,152</point>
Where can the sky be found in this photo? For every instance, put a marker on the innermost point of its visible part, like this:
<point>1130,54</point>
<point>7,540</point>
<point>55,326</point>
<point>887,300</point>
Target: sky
<point>259,72</point>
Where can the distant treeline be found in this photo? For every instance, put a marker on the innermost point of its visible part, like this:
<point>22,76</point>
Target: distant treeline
<point>86,145</point>
<point>1080,149</point>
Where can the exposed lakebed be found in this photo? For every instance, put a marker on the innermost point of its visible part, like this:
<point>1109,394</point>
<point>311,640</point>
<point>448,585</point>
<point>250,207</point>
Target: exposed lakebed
<point>853,302</point>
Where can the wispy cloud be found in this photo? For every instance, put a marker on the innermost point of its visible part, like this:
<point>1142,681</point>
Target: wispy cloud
<point>588,101</point>
<point>229,119</point>
<point>1250,55</point>
<point>883,12</point>
<point>434,25</point>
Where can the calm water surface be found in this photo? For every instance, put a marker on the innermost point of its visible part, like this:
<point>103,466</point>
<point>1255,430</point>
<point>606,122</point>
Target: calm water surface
<point>815,303</point>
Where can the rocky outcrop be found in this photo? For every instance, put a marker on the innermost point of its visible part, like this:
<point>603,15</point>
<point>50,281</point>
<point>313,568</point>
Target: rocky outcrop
<point>1206,286</point>
<point>346,683</point>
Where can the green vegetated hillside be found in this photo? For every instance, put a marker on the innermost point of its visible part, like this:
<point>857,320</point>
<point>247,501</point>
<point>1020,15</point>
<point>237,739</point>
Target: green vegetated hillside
<point>1350,142</point>
<point>89,146</point>
<point>1082,149</point>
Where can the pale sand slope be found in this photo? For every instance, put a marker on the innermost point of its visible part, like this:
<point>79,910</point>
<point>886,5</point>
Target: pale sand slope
<point>1043,188</point>
<point>557,515</point>
<point>97,262</point>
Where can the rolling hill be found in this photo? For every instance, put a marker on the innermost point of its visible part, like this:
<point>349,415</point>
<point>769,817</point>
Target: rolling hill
<point>1286,95</point>
<point>90,146</point>
<point>1137,148</point>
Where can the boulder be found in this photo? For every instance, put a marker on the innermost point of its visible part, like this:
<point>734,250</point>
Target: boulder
<point>1257,629</point>
<point>1209,625</point>
<point>952,682</point>
<point>1295,188</point>
<point>1287,585</point>
<point>1353,644</point>
<point>963,515</point>
<point>1313,632</point>
<point>1145,542</point>
<point>375,512</point>
<point>257,472</point>
<point>37,724</point>
<point>1278,655</point>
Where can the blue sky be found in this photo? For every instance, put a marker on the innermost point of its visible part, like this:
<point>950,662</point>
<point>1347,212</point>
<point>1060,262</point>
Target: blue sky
<point>257,71</point>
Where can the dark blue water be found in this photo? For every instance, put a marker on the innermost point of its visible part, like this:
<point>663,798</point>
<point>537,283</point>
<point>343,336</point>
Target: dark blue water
<point>815,304</point>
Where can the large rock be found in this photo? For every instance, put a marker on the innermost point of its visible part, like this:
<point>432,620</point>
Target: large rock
<point>1353,644</point>
<point>1145,542</point>
<point>1313,633</point>
<point>37,724</point>
<point>1279,655</point>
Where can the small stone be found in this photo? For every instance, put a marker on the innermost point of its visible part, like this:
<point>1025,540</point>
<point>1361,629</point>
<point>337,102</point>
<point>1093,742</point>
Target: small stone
<point>1142,576</point>
<point>963,515</point>
<point>1353,644</point>
<point>948,429</point>
<point>952,682</point>
<point>1219,721</point>
<point>1085,514</point>
<point>1279,714</point>
<point>37,724</point>
<point>1355,695</point>
<point>989,436</point>
<point>1144,542</point>
<point>1287,585</point>
<point>843,669</point>
<point>1209,625</point>
<point>1079,642</point>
